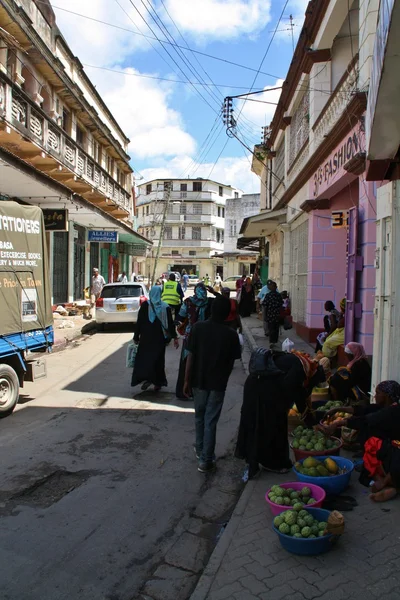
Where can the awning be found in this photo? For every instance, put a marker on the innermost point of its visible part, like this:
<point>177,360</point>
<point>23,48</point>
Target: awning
<point>262,224</point>
<point>249,244</point>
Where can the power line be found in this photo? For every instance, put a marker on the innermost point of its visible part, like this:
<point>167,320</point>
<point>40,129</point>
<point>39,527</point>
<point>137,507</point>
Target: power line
<point>235,64</point>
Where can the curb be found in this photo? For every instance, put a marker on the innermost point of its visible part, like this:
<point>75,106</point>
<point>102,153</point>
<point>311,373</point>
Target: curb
<point>88,328</point>
<point>206,580</point>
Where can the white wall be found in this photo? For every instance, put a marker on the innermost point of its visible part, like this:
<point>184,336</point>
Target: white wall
<point>368,18</point>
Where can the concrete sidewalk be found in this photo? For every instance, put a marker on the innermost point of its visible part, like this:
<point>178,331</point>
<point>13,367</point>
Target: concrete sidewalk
<point>249,564</point>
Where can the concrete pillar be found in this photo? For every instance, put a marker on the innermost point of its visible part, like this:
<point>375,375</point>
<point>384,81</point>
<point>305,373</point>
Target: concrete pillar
<point>71,261</point>
<point>368,19</point>
<point>320,89</point>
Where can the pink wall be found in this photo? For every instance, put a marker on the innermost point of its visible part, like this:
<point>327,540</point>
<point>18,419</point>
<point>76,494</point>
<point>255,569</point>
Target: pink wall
<point>364,327</point>
<point>327,257</point>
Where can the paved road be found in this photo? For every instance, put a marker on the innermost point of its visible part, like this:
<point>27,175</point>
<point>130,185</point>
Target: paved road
<point>94,482</point>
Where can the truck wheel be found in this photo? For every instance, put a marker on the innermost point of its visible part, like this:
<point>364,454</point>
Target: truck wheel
<point>9,390</point>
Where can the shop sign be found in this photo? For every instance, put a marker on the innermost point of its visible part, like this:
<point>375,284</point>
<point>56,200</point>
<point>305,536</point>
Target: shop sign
<point>339,219</point>
<point>109,237</point>
<point>55,219</point>
<point>332,169</point>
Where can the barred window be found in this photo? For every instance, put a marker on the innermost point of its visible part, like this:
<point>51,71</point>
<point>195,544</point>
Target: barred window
<point>279,166</point>
<point>299,127</point>
<point>196,233</point>
<point>168,233</point>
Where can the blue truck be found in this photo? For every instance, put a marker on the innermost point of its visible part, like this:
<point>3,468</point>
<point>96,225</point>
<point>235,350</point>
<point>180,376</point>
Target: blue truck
<point>26,318</point>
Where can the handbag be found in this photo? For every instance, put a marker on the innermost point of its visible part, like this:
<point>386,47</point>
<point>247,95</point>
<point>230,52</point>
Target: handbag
<point>131,352</point>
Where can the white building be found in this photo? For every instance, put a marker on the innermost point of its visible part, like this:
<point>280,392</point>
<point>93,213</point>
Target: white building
<point>236,261</point>
<point>194,230</point>
<point>62,149</point>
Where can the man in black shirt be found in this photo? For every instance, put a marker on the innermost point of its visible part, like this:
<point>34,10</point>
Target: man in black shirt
<point>213,348</point>
<point>272,308</point>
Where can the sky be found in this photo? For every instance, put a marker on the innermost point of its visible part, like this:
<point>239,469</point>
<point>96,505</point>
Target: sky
<point>168,100</point>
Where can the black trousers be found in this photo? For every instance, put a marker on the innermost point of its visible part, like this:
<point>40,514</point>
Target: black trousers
<point>175,308</point>
<point>273,328</point>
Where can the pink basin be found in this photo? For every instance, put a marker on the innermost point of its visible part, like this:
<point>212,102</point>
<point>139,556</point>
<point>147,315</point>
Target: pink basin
<point>316,492</point>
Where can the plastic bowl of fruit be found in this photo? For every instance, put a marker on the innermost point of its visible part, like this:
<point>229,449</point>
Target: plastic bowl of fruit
<point>308,442</point>
<point>332,473</point>
<point>304,532</point>
<point>294,495</point>
<point>338,416</point>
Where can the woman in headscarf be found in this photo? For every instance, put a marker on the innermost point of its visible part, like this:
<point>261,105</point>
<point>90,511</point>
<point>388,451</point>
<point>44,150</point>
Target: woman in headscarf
<point>267,398</point>
<point>379,427</point>
<point>247,299</point>
<point>352,382</point>
<point>196,308</point>
<point>153,332</point>
<point>336,337</point>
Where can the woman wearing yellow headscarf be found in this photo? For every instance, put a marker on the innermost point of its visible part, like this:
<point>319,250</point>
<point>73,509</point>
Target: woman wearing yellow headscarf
<point>336,338</point>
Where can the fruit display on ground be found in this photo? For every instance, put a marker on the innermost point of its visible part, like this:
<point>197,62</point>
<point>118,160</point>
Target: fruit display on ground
<point>290,497</point>
<point>300,524</point>
<point>311,440</point>
<point>312,467</point>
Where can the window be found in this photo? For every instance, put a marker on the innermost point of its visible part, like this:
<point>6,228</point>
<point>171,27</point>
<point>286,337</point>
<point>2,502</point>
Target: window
<point>147,209</point>
<point>196,233</point>
<point>197,209</point>
<point>121,290</point>
<point>66,121</point>
<point>221,211</point>
<point>110,165</point>
<point>236,194</point>
<point>147,232</point>
<point>182,208</point>
<point>221,190</point>
<point>148,188</point>
<point>96,151</point>
<point>299,127</point>
<point>168,233</point>
<point>183,187</point>
<point>182,233</point>
<point>220,236</point>
<point>175,253</point>
<point>80,136</point>
<point>197,186</point>
<point>192,252</point>
<point>232,228</point>
<point>167,185</point>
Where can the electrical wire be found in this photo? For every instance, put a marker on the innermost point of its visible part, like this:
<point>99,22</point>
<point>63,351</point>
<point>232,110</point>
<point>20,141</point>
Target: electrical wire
<point>155,39</point>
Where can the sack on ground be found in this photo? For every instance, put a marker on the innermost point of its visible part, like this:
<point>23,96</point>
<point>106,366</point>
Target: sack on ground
<point>287,322</point>
<point>262,364</point>
<point>131,352</point>
<point>287,345</point>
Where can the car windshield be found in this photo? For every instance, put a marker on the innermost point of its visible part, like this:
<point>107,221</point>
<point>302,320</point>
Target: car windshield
<point>121,291</point>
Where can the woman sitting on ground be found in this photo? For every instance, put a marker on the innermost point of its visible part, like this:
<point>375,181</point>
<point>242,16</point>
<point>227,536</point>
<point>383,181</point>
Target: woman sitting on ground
<point>330,323</point>
<point>352,382</point>
<point>336,336</point>
<point>379,427</point>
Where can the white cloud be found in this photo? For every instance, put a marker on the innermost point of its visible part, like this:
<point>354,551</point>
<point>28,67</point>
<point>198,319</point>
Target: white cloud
<point>221,19</point>
<point>229,170</point>
<point>260,113</point>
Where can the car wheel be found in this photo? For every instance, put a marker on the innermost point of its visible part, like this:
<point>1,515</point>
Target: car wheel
<point>9,390</point>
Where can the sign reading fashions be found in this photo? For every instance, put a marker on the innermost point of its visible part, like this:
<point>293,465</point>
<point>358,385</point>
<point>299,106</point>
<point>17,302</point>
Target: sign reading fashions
<point>55,219</point>
<point>109,237</point>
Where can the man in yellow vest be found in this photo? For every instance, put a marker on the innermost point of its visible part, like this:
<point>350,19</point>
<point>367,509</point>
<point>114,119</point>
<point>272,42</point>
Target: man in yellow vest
<point>173,295</point>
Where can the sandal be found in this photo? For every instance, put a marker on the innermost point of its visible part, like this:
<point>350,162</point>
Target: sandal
<point>145,386</point>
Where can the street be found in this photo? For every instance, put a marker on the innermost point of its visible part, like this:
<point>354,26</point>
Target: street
<point>98,487</point>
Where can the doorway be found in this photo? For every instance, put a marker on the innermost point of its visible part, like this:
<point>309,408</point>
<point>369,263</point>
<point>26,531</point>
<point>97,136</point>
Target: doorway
<point>79,262</point>
<point>60,267</point>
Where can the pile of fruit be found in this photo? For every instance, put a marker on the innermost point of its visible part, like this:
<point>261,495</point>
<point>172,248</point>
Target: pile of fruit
<point>334,418</point>
<point>291,497</point>
<point>300,524</point>
<point>319,468</point>
<point>330,404</point>
<point>313,441</point>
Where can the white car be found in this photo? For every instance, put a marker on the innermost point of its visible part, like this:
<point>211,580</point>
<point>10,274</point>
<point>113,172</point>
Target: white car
<point>230,282</point>
<point>120,303</point>
<point>193,281</point>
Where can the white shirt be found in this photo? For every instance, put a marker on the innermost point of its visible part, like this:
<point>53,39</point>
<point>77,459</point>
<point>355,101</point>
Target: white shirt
<point>98,283</point>
<point>133,276</point>
<point>122,278</point>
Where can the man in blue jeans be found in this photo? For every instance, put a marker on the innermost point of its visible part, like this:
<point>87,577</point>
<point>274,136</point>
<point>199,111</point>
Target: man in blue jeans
<point>213,348</point>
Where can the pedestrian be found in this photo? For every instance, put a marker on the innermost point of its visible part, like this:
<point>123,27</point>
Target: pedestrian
<point>173,295</point>
<point>267,398</point>
<point>185,281</point>
<point>133,277</point>
<point>195,308</point>
<point>122,278</point>
<point>217,283</point>
<point>233,319</point>
<point>239,285</point>
<point>272,308</point>
<point>212,350</point>
<point>206,280</point>
<point>247,299</point>
<point>330,323</point>
<point>98,282</point>
<point>153,332</point>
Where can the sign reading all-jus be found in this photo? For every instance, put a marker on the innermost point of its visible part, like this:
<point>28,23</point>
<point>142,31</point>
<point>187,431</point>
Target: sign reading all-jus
<point>332,169</point>
<point>109,237</point>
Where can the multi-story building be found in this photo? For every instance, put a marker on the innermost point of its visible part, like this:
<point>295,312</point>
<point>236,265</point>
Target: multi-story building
<point>239,261</point>
<point>319,210</point>
<point>192,214</point>
<point>62,149</point>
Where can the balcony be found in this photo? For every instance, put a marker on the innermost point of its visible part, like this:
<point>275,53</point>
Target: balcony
<point>27,132</point>
<point>176,196</point>
<point>175,243</point>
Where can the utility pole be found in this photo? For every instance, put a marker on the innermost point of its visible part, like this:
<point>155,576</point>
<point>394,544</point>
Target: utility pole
<point>166,200</point>
<point>292,28</point>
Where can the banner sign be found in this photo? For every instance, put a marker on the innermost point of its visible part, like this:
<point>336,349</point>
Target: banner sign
<point>55,219</point>
<point>109,237</point>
